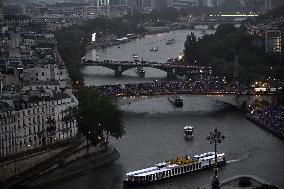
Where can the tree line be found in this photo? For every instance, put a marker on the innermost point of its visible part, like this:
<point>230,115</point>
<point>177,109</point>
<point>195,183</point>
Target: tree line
<point>218,50</point>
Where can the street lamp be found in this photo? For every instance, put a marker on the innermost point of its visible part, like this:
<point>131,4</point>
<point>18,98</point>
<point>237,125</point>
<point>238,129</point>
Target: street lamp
<point>215,137</point>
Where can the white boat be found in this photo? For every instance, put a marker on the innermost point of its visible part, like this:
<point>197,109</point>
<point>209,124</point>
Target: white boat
<point>188,132</point>
<point>140,72</point>
<point>172,168</point>
<point>135,58</point>
<point>154,49</point>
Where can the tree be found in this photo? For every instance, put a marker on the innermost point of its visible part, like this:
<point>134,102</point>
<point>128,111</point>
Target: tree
<point>225,29</point>
<point>96,116</point>
<point>190,49</point>
<point>51,128</point>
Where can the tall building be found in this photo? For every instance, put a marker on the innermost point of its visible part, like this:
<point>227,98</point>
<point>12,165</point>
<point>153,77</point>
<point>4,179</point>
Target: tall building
<point>273,41</point>
<point>1,12</point>
<point>118,2</point>
<point>101,2</point>
<point>184,3</point>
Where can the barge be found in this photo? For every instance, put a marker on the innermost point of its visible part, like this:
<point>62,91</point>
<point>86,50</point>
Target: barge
<point>173,168</point>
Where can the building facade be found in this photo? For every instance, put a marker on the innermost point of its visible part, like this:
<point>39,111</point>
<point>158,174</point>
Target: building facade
<point>273,41</point>
<point>1,12</point>
<point>35,122</point>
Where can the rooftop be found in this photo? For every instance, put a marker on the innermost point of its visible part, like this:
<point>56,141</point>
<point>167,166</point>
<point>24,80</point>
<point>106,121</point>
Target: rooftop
<point>4,107</point>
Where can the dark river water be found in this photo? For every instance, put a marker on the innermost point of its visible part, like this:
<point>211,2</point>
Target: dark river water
<point>155,128</point>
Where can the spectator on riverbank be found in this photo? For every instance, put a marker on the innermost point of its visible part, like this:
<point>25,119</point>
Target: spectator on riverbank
<point>269,117</point>
<point>206,86</point>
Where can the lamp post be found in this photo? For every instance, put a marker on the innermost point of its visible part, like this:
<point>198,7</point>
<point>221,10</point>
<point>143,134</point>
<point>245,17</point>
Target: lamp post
<point>215,137</point>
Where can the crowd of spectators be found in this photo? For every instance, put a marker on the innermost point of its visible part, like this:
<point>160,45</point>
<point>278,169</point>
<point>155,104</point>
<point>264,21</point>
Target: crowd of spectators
<point>171,87</point>
<point>268,117</point>
<point>140,89</point>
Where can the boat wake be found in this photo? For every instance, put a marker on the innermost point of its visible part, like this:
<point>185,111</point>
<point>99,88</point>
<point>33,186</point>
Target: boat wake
<point>236,160</point>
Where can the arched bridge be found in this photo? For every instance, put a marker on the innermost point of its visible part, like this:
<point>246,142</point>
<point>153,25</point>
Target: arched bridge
<point>172,69</point>
<point>209,23</point>
<point>237,100</point>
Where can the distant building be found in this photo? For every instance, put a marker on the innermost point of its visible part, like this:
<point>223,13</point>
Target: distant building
<point>118,2</point>
<point>1,12</point>
<point>49,76</point>
<point>272,41</point>
<point>184,3</point>
<point>16,20</point>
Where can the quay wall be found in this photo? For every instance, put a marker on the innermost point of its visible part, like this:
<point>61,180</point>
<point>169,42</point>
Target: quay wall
<point>56,164</point>
<point>241,101</point>
<point>20,165</point>
<point>80,162</point>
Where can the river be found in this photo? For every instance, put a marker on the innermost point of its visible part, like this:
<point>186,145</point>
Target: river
<point>155,128</point>
<point>140,47</point>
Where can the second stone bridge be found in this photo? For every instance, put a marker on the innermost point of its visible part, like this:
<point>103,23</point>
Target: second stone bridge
<point>172,70</point>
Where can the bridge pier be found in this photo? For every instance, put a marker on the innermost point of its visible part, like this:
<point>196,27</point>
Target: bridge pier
<point>211,26</point>
<point>171,74</point>
<point>118,71</point>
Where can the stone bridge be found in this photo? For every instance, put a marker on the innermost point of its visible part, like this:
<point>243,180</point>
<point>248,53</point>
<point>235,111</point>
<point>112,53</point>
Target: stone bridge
<point>172,70</point>
<point>210,24</point>
<point>237,100</point>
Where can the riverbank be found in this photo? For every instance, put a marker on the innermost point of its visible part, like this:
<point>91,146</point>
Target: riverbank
<point>60,165</point>
<point>269,118</point>
<point>83,165</point>
<point>102,44</point>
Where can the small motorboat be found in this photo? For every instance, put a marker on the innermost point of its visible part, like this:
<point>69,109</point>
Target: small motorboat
<point>154,49</point>
<point>135,58</point>
<point>188,132</point>
<point>140,72</point>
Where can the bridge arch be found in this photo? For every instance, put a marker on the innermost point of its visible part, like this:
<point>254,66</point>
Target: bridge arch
<point>150,67</point>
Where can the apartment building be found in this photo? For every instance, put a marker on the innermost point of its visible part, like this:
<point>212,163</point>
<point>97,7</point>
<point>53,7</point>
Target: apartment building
<point>34,122</point>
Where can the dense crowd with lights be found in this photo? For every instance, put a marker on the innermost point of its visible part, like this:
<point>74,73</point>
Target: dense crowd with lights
<point>269,117</point>
<point>172,87</point>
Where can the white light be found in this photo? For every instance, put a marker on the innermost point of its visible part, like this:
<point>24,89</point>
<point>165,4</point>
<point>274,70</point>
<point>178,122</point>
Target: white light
<point>94,37</point>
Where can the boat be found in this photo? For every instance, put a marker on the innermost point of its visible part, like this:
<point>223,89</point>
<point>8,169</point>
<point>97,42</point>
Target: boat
<point>188,132</point>
<point>203,32</point>
<point>135,58</point>
<point>140,72</point>
<point>177,101</point>
<point>154,49</point>
<point>171,41</point>
<point>171,168</point>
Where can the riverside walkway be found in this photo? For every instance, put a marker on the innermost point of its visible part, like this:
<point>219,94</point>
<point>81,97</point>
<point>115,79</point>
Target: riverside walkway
<point>37,170</point>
